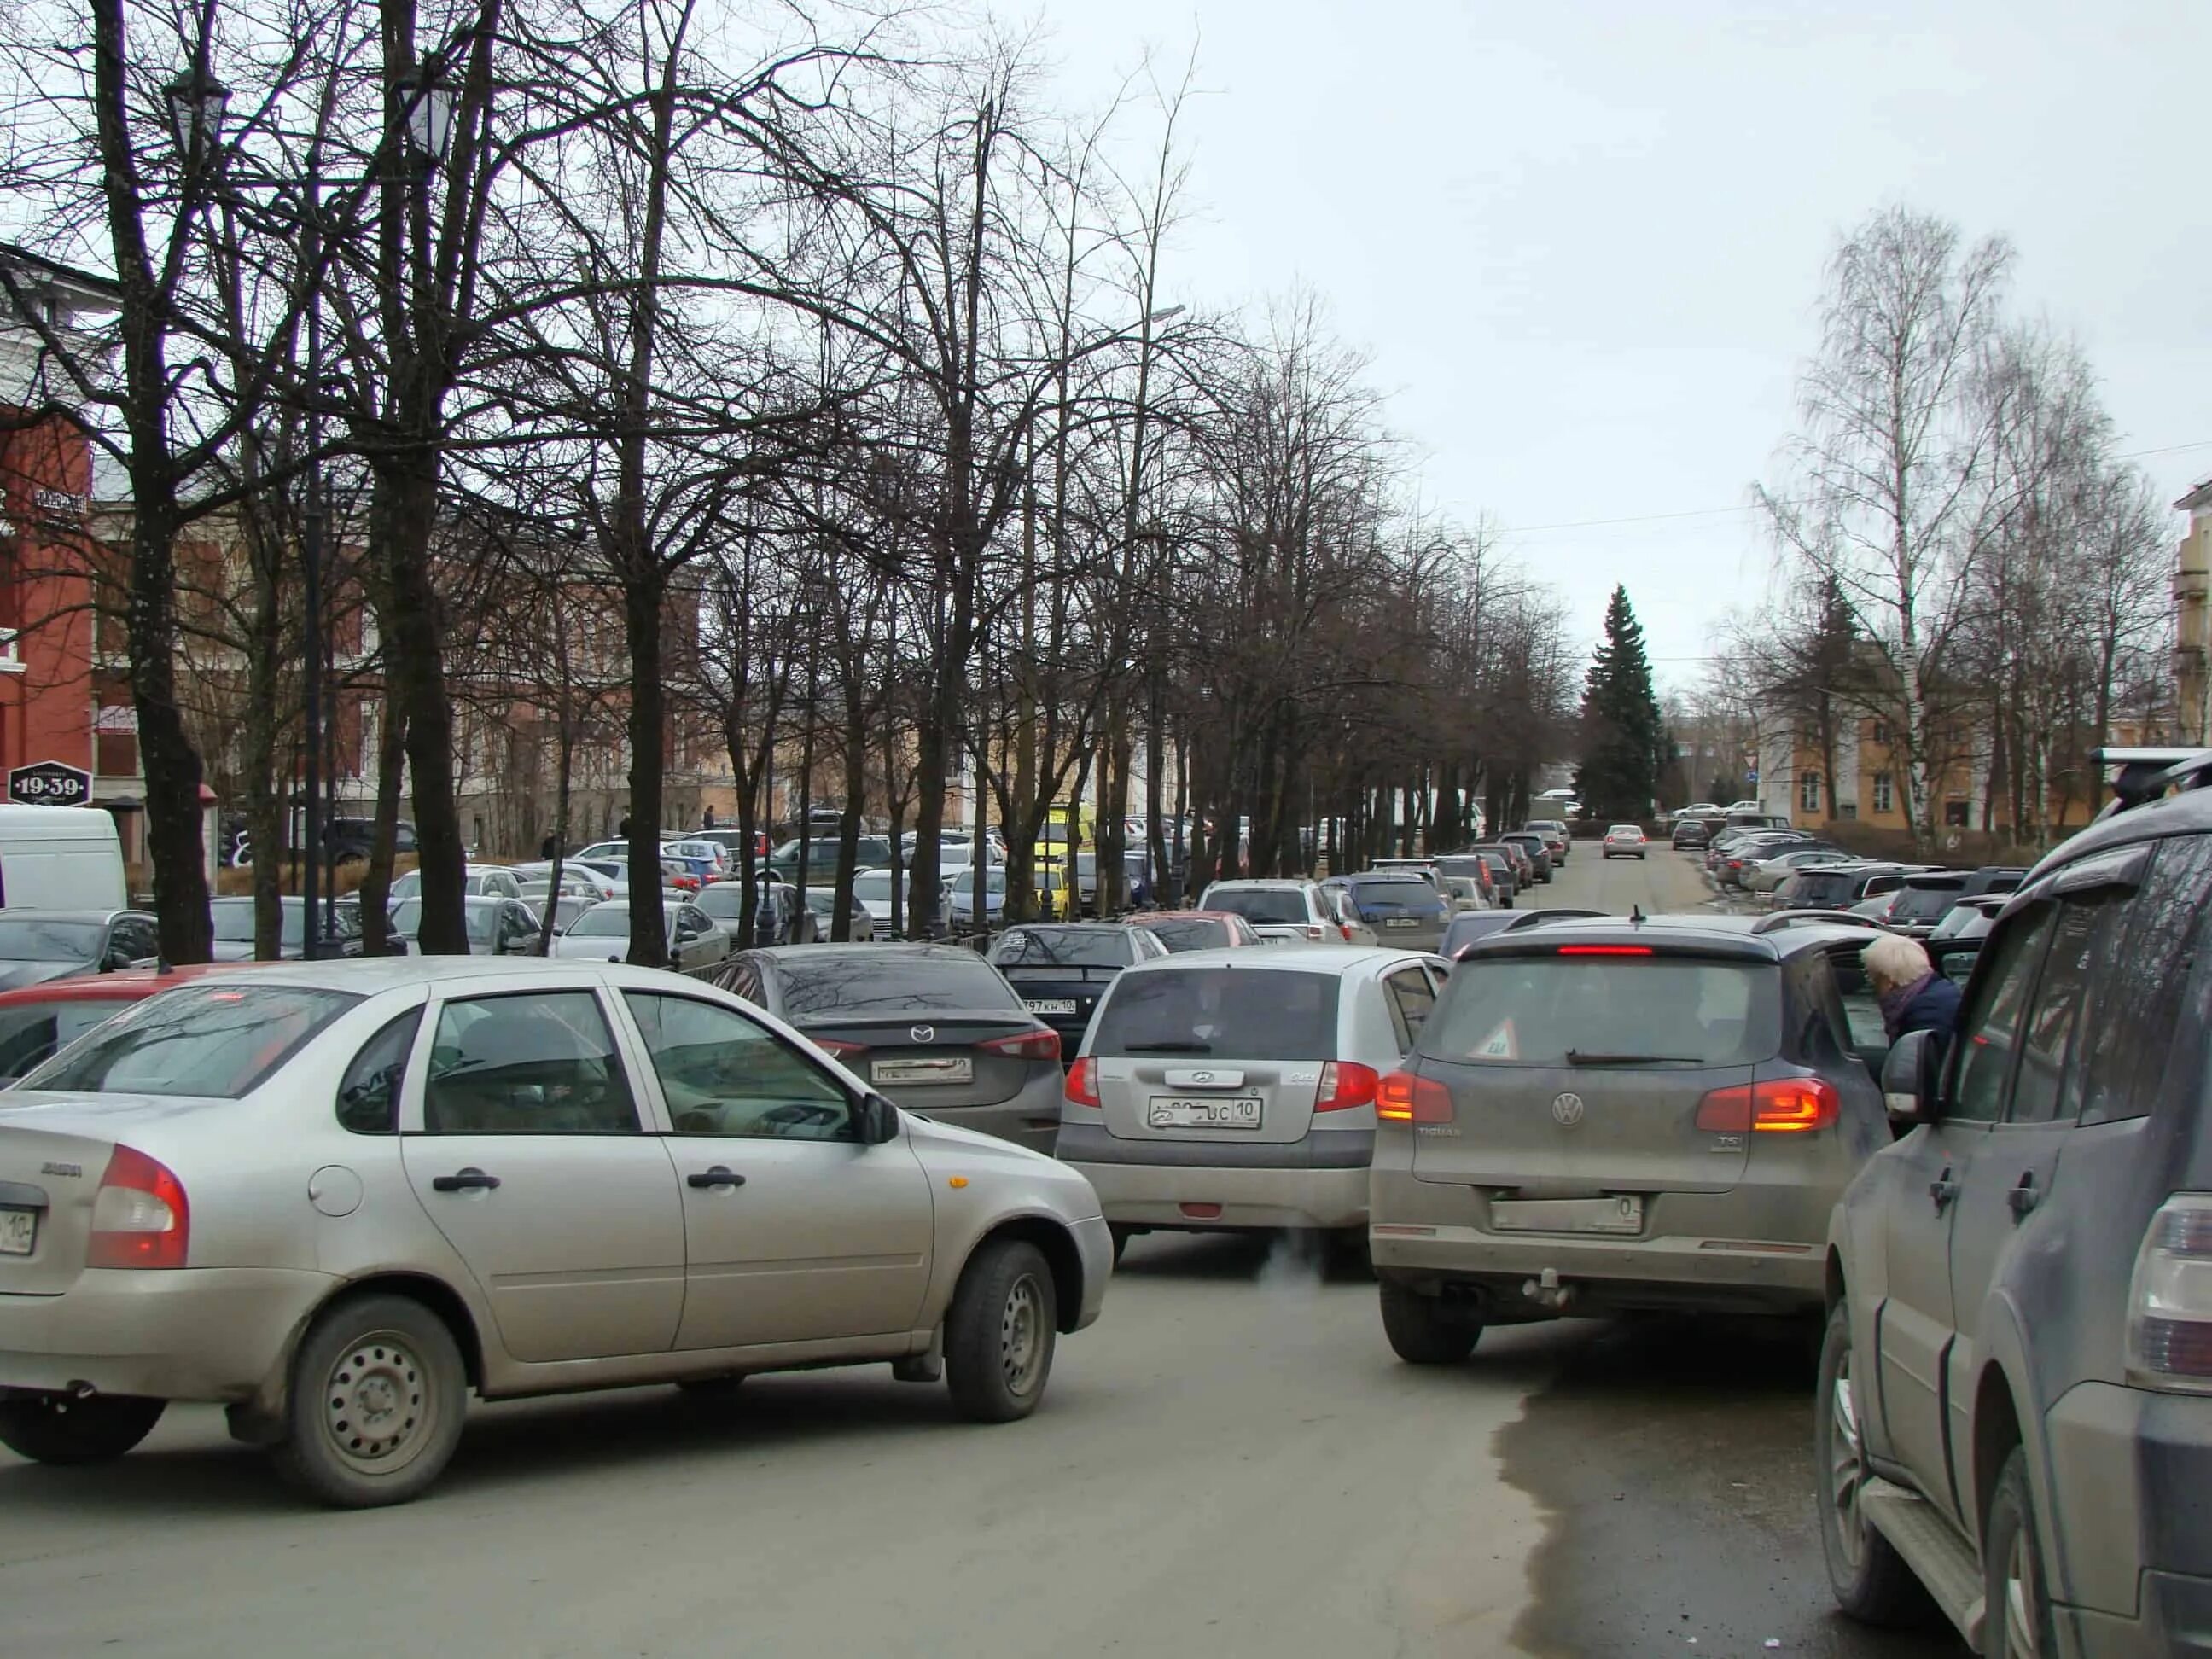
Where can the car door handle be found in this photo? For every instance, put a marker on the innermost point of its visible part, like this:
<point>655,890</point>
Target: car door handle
<point>469,1180</point>
<point>716,1176</point>
<point>1943,1189</point>
<point>2023,1197</point>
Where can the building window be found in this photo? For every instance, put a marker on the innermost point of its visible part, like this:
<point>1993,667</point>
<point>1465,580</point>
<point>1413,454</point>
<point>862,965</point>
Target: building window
<point>1881,733</point>
<point>1885,793</point>
<point>117,755</point>
<point>1809,792</point>
<point>1957,814</point>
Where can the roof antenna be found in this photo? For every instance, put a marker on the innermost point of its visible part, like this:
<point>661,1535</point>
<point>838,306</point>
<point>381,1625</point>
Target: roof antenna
<point>1635,916</point>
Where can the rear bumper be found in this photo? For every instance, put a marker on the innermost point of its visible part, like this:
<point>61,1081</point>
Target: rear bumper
<point>1030,1118</point>
<point>213,1333</point>
<point>2127,1470</point>
<point>1604,1273</point>
<point>1318,1182</point>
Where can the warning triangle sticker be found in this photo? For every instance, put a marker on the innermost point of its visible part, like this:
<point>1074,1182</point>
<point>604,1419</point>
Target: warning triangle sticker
<point>1500,1044</point>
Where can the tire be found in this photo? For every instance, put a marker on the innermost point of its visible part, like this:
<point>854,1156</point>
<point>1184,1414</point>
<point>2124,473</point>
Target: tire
<point>2016,1590</point>
<point>385,1364</point>
<point>1423,1331</point>
<point>55,1429</point>
<point>1000,1334</point>
<point>1869,1579</point>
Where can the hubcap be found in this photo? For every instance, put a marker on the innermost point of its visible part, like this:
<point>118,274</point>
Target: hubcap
<point>1846,1465</point>
<point>2021,1596</point>
<point>1021,1334</point>
<point>378,1406</point>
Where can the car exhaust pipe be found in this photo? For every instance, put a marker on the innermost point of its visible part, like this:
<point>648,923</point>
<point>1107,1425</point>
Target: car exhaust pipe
<point>1546,1291</point>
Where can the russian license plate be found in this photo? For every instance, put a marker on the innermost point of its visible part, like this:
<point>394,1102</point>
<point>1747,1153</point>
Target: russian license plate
<point>1049,1004</point>
<point>1217,1112</point>
<point>1620,1214</point>
<point>950,1068</point>
<point>19,1232</point>
<point>1401,921</point>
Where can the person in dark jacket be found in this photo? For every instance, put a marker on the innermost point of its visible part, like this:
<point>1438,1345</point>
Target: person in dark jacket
<point>1914,997</point>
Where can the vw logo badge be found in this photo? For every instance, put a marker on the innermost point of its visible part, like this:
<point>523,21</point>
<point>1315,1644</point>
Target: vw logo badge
<point>1201,1077</point>
<point>923,1034</point>
<point>1567,1110</point>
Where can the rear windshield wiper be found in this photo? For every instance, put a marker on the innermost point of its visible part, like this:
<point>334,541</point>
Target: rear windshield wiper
<point>1576,1057</point>
<point>1168,1047</point>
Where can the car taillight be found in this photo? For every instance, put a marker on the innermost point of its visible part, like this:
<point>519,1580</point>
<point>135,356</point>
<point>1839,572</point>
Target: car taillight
<point>1404,1097</point>
<point>1025,1045</point>
<point>1082,1086</point>
<point>139,1215</point>
<point>2169,1299</point>
<point>1313,932</point>
<point>1788,1105</point>
<point>1345,1084</point>
<point>834,1046</point>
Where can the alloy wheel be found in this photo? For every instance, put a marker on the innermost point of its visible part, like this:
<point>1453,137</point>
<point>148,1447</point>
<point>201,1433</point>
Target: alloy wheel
<point>1846,1465</point>
<point>2023,1595</point>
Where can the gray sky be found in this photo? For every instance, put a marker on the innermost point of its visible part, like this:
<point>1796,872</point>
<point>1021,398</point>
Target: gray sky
<point>1583,239</point>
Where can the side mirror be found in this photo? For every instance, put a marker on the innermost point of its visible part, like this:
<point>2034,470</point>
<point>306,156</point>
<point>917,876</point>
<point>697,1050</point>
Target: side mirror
<point>878,1121</point>
<point>1912,1076</point>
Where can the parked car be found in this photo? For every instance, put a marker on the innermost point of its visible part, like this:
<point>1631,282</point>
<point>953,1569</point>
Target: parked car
<point>602,933</point>
<point>1235,1090</point>
<point>496,927</point>
<point>1627,841</point>
<point>1538,849</point>
<point>566,909</point>
<point>821,903</point>
<point>873,889</point>
<point>1504,865</point>
<point>674,876</point>
<point>38,1020</point>
<point>1425,868</point>
<point>1969,919</point>
<point>1524,863</point>
<point>60,858</point>
<point>477,880</point>
<point>1767,874</point>
<point>1691,835</point>
<point>36,945</point>
<point>1201,930</point>
<point>574,879</point>
<point>1285,911</point>
<point>1474,866</point>
<point>934,1027</point>
<point>1558,839</point>
<point>339,934</point>
<point>873,851</point>
<point>1921,901</point>
<point>2013,1407</point>
<point>1472,924</point>
<point>336,1198</point>
<point>965,911</point>
<point>1061,970</point>
<point>1403,911</point>
<point>705,858</point>
<point>1605,1114</point>
<point>1838,886</point>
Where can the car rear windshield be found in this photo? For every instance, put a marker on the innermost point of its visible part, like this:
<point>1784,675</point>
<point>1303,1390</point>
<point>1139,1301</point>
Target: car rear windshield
<point>1558,1010</point>
<point>220,1040</point>
<point>867,982</point>
<point>1396,889</point>
<point>1231,1013</point>
<point>1467,864</point>
<point>1820,887</point>
<point>1191,933</point>
<point>1061,947</point>
<point>31,1031</point>
<point>1919,903</point>
<point>1268,906</point>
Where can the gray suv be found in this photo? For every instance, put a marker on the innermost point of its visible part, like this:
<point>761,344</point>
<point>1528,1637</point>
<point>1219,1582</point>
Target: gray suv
<point>2014,1413</point>
<point>1605,1113</point>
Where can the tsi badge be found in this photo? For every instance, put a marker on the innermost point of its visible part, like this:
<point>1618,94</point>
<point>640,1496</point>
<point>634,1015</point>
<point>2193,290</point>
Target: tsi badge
<point>1567,1110</point>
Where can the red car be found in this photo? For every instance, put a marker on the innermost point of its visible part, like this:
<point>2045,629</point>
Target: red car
<point>38,1019</point>
<point>1198,930</point>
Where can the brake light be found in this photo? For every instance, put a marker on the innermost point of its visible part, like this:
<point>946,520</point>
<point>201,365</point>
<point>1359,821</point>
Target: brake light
<point>1345,1084</point>
<point>1312,932</point>
<point>1025,1045</point>
<point>1405,1097</point>
<point>2169,1299</point>
<point>1605,951</point>
<point>1788,1105</point>
<point>1082,1086</point>
<point>840,1049</point>
<point>139,1215</point>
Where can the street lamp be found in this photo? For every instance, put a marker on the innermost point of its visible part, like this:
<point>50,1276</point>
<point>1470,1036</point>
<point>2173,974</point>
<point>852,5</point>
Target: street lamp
<point>196,102</point>
<point>426,109</point>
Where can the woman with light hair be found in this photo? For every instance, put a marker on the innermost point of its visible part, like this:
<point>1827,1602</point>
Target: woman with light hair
<point>1914,996</point>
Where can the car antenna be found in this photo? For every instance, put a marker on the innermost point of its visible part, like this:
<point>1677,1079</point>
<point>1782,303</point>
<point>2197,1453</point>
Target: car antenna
<point>1635,916</point>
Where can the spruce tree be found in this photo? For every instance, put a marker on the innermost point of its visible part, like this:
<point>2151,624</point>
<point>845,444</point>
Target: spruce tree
<point>1622,733</point>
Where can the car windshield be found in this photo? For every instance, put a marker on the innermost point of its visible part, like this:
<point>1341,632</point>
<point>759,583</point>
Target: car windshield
<point>234,922</point>
<point>1061,947</point>
<point>565,911</point>
<point>1229,1013</point>
<point>1190,933</point>
<point>1266,905</point>
<point>1916,902</point>
<point>407,885</point>
<point>1554,1010</point>
<point>965,882</point>
<point>725,900</point>
<point>35,938</point>
<point>1821,886</point>
<point>602,921</point>
<point>823,901</point>
<point>219,1041</point>
<point>874,884</point>
<point>866,982</point>
<point>30,1031</point>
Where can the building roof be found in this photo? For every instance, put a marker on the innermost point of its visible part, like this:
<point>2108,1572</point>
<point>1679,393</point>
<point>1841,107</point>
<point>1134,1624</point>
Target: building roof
<point>2200,495</point>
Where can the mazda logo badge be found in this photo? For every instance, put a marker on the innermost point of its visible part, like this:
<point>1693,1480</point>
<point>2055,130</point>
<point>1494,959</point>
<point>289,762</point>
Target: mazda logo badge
<point>1567,1110</point>
<point>923,1034</point>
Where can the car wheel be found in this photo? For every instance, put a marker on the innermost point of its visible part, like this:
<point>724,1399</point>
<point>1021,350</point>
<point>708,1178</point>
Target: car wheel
<point>1870,1579</point>
<point>2017,1593</point>
<point>57,1429</point>
<point>1000,1334</point>
<point>378,1394</point>
<point>1423,1330</point>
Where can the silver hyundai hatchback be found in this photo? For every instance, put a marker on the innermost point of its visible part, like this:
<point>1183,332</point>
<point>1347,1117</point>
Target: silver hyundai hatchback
<point>340,1197</point>
<point>1228,1090</point>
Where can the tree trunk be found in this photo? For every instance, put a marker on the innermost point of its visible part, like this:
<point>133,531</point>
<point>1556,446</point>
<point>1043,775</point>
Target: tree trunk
<point>376,881</point>
<point>407,492</point>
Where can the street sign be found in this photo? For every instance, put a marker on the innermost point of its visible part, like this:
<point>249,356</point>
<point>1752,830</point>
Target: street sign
<point>49,783</point>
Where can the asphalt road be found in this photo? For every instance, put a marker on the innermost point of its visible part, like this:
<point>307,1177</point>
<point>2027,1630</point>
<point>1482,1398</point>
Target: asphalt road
<point>1230,1463</point>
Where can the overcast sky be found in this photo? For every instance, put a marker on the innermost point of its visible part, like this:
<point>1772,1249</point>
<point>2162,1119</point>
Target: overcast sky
<point>1583,239</point>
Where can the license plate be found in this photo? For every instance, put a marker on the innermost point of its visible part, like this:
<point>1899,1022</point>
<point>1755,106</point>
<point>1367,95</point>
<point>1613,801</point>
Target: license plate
<point>19,1232</point>
<point>1622,1214</point>
<point>952,1068</point>
<point>1049,1004</point>
<point>1220,1112</point>
<point>1403,921</point>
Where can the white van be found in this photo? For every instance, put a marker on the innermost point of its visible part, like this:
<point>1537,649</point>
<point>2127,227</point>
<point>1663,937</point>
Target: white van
<point>60,858</point>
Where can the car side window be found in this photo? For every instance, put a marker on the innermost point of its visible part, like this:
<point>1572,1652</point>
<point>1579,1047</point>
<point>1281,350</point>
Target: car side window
<point>369,1093</point>
<point>2135,995</point>
<point>136,939</point>
<point>1989,1027</point>
<point>724,1074</point>
<point>1412,1000</point>
<point>532,1063</point>
<point>2048,1085</point>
